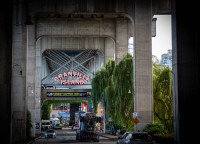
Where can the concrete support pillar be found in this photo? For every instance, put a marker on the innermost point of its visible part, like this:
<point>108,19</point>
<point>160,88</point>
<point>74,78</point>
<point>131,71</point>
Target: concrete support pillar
<point>175,78</point>
<point>121,38</point>
<point>143,63</point>
<point>109,49</point>
<point>32,93</point>
<point>18,74</point>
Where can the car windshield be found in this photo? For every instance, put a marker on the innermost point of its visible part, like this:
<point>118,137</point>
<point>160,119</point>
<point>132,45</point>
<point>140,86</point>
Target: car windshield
<point>50,131</point>
<point>45,123</point>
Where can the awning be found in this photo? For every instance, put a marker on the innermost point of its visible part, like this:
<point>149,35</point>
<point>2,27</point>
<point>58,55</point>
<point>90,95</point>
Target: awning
<point>64,115</point>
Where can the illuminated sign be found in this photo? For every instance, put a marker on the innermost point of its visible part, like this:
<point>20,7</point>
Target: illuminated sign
<point>79,78</point>
<point>50,94</point>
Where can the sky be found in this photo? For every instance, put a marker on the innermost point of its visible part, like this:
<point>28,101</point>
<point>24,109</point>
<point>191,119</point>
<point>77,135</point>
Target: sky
<point>163,40</point>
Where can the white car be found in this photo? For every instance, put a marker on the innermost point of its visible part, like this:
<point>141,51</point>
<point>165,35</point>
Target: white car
<point>50,133</point>
<point>125,138</point>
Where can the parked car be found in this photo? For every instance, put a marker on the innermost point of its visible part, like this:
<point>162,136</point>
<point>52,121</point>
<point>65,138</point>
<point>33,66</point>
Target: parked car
<point>50,133</point>
<point>141,138</point>
<point>55,123</point>
<point>46,124</point>
<point>125,138</point>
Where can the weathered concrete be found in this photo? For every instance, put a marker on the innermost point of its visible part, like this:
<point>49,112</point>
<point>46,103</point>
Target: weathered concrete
<point>143,63</point>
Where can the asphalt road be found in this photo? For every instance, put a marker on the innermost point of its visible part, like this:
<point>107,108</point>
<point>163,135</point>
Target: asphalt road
<point>68,136</point>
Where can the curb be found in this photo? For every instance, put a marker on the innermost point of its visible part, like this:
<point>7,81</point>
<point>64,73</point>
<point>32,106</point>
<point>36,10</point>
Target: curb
<point>109,136</point>
<point>105,136</point>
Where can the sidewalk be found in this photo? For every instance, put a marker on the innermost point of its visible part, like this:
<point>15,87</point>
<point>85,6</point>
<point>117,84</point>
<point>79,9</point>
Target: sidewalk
<point>34,138</point>
<point>108,135</point>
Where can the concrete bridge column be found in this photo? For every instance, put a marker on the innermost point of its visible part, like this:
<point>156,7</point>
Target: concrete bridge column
<point>32,92</point>
<point>18,84</point>
<point>143,63</point>
<point>121,38</point>
<point>24,89</point>
<point>109,49</point>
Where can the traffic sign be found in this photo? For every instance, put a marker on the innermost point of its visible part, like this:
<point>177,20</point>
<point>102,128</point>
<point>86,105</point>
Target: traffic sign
<point>134,115</point>
<point>136,120</point>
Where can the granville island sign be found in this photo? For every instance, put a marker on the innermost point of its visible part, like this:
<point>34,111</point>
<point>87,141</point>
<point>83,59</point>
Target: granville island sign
<point>71,78</point>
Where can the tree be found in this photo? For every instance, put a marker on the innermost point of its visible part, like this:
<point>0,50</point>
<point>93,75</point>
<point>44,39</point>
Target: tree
<point>123,82</point>
<point>163,97</point>
<point>46,111</point>
<point>112,84</point>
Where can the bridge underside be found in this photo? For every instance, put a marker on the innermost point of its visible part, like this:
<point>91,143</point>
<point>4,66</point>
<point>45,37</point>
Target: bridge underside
<point>63,67</point>
<point>67,74</point>
<point>16,84</point>
<point>77,26</point>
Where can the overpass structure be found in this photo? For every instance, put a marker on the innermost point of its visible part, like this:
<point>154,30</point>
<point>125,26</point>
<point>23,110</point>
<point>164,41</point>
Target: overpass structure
<point>77,37</point>
<point>31,28</point>
<point>54,38</point>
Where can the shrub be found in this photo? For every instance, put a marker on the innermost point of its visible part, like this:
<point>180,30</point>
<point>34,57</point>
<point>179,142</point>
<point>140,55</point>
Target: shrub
<point>154,128</point>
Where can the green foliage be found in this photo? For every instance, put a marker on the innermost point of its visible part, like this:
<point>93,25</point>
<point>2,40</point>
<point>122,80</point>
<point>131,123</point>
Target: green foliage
<point>154,128</point>
<point>46,110</point>
<point>28,125</point>
<point>112,84</point>
<point>100,82</point>
<point>163,96</point>
<point>122,83</point>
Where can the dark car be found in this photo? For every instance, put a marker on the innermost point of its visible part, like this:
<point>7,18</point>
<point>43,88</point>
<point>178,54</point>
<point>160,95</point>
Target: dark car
<point>50,133</point>
<point>141,138</point>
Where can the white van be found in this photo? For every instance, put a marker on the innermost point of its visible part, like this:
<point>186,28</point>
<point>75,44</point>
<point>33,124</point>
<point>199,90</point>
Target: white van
<point>56,123</point>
